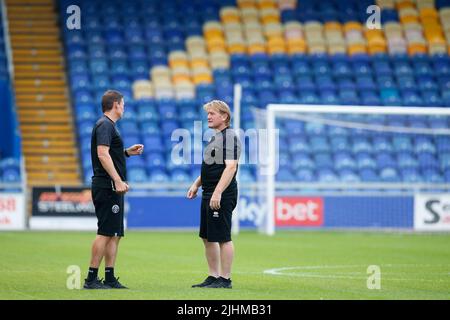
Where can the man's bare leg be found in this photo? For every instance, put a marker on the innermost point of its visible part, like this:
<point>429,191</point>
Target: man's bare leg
<point>226,258</point>
<point>212,253</point>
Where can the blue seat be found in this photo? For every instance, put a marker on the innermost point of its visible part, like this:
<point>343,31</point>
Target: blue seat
<point>325,82</point>
<point>347,175</point>
<point>411,175</point>
<point>365,161</point>
<point>385,159</point>
<point>329,97</point>
<point>432,175</point>
<point>407,160</point>
<point>285,175</point>
<point>127,128</point>
<point>344,160</point>
<point>427,160</point>
<point>305,175</point>
<point>155,160</point>
<point>284,159</point>
<point>180,176</point>
<point>444,160</point>
<point>295,128</point>
<point>370,98</point>
<point>389,174</point>
<point>339,143</point>
<point>349,97</point>
<point>361,145</point>
<point>424,144</point>
<point>168,111</point>
<point>402,143</point>
<point>411,98</point>
<point>305,83</point>
<point>302,161</point>
<point>432,98</point>
<point>323,160</point>
<point>327,175</point>
<point>298,145</point>
<point>365,82</point>
<point>137,175</point>
<point>153,143</point>
<point>315,128</point>
<point>136,162</point>
<point>99,66</point>
<point>390,97</point>
<point>132,139</point>
<point>319,144</point>
<point>369,175</point>
<point>101,82</point>
<point>382,144</point>
<point>442,144</point>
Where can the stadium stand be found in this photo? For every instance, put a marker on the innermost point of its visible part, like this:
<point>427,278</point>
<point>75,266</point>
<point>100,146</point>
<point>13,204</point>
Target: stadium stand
<point>9,154</point>
<point>169,57</point>
<point>41,98</point>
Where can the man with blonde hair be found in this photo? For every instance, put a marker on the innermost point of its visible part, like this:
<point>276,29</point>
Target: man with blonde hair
<point>219,197</point>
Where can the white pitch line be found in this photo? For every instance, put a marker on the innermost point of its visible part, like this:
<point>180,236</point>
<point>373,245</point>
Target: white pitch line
<point>280,272</point>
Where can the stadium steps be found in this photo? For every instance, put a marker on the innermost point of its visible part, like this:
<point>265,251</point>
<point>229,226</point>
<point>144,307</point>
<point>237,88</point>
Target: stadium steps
<point>42,99</point>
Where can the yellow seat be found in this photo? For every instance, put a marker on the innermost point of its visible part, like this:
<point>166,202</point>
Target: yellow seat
<point>296,50</point>
<point>229,15</point>
<point>409,19</point>
<point>404,5</point>
<point>317,49</point>
<point>216,44</point>
<point>428,13</point>
<point>415,48</point>
<point>245,4</point>
<point>202,78</point>
<point>199,62</point>
<point>180,78</point>
<point>234,48</point>
<point>333,26</point>
<point>256,48</point>
<point>373,34</point>
<point>356,48</point>
<point>334,49</point>
<point>269,16</point>
<point>349,26</point>
<point>266,4</point>
<point>376,48</point>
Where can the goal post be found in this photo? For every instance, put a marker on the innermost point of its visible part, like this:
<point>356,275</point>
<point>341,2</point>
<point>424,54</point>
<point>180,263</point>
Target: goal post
<point>430,127</point>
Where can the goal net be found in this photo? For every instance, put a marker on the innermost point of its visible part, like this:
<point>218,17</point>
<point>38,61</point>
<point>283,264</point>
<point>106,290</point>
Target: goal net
<point>352,166</point>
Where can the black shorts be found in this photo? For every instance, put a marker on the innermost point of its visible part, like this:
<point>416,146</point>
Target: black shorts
<point>109,209</point>
<point>215,225</point>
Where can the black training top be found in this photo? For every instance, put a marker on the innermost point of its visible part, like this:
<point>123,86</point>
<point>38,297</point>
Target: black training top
<point>105,133</point>
<point>224,145</point>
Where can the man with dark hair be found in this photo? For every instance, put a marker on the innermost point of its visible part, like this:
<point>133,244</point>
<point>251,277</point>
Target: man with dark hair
<point>219,197</point>
<point>108,189</point>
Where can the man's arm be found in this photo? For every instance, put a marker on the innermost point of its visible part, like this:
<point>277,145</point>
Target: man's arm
<point>108,165</point>
<point>192,192</point>
<point>224,182</point>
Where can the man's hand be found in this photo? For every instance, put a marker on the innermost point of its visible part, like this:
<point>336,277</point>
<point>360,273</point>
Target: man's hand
<point>192,192</point>
<point>214,203</point>
<point>135,149</point>
<point>121,187</point>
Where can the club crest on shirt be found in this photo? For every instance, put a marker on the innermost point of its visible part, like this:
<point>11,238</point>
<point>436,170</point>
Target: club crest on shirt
<point>115,208</point>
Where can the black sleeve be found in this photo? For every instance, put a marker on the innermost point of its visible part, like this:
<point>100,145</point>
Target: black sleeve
<point>104,133</point>
<point>232,147</point>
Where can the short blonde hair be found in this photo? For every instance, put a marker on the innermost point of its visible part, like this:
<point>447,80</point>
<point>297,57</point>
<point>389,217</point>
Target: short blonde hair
<point>221,107</point>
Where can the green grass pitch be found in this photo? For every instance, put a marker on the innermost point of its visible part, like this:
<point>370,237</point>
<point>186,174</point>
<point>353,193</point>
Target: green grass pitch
<point>290,265</point>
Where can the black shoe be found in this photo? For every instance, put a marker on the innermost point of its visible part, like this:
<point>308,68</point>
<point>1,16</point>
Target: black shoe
<point>94,284</point>
<point>115,284</point>
<point>207,281</point>
<point>220,283</point>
